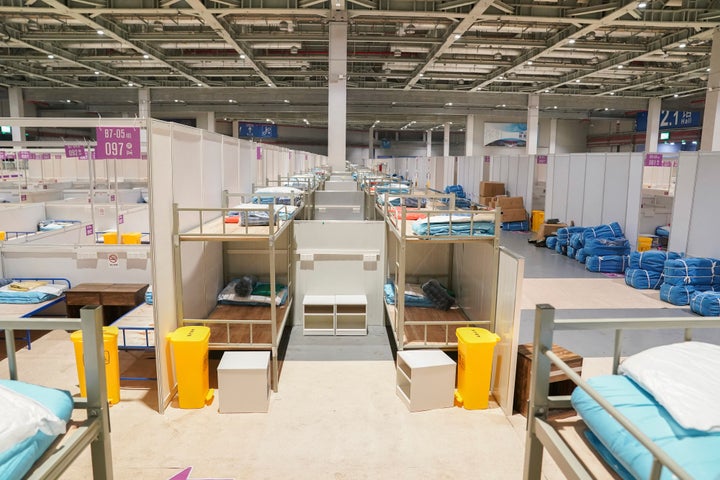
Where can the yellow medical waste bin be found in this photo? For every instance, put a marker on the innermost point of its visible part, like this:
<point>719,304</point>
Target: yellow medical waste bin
<point>2,236</point>
<point>110,237</point>
<point>112,362</point>
<point>537,218</point>
<point>475,358</point>
<point>189,347</point>
<point>132,238</point>
<point>644,244</point>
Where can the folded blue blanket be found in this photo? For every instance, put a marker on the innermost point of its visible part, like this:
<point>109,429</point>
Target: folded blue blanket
<point>689,271</point>
<point>652,259</point>
<point>643,279</point>
<point>606,246</point>
<point>606,263</point>
<point>706,304</point>
<point>610,230</point>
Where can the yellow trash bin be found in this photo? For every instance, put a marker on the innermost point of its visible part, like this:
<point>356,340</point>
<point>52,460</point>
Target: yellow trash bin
<point>644,244</point>
<point>475,358</point>
<point>189,346</point>
<point>110,237</point>
<point>2,236</point>
<point>537,219</point>
<point>132,238</point>
<point>112,362</point>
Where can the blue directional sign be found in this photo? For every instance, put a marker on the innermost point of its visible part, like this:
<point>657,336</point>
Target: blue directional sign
<point>258,130</point>
<point>669,119</point>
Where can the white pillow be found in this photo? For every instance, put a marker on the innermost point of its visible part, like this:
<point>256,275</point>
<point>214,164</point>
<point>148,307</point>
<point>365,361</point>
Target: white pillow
<point>22,417</point>
<point>683,378</point>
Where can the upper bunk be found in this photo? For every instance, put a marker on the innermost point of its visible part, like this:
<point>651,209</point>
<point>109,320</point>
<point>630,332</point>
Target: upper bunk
<point>260,215</point>
<point>429,216</point>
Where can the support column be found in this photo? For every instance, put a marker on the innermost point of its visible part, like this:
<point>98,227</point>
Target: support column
<point>144,103</point>
<point>17,109</point>
<point>236,128</point>
<point>469,131</point>
<point>371,143</point>
<point>553,136</point>
<point>652,133</point>
<point>428,143</point>
<point>446,140</point>
<point>206,121</point>
<point>711,118</point>
<point>533,117</point>
<point>337,89</point>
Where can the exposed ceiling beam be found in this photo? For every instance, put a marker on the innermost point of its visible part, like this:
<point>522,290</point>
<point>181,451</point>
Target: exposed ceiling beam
<point>37,73</point>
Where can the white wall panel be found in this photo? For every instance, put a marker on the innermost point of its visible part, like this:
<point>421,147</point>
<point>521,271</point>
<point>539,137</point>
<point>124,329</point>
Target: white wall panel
<point>559,185</point>
<point>211,162</point>
<point>634,197</point>
<point>230,165</point>
<point>594,191</point>
<point>704,228</point>
<point>617,172</point>
<point>688,165</point>
<point>576,187</point>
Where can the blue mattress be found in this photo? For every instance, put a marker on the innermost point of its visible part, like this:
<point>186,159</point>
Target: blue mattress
<point>410,300</point>
<point>662,231</point>
<point>16,462</point>
<point>693,450</point>
<point>459,227</point>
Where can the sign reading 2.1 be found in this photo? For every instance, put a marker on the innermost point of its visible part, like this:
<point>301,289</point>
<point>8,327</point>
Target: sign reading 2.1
<point>117,142</point>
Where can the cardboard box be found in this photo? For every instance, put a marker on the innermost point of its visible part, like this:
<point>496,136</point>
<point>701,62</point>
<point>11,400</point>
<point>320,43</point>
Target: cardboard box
<point>548,229</point>
<point>510,202</point>
<point>513,215</point>
<point>486,201</point>
<point>490,189</point>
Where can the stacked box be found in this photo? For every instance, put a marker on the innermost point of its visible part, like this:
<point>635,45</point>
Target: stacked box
<point>491,189</point>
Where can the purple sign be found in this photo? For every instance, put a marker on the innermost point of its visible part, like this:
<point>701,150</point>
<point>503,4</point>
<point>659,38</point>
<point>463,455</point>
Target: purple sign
<point>121,219</point>
<point>33,156</point>
<point>10,156</point>
<point>2,154</point>
<point>84,156</point>
<point>117,143</point>
<point>23,197</point>
<point>57,156</point>
<point>74,151</point>
<point>487,158</point>
<point>112,197</point>
<point>24,155</point>
<point>259,153</point>
<point>653,160</point>
<point>541,159</point>
<point>44,156</point>
<point>89,230</point>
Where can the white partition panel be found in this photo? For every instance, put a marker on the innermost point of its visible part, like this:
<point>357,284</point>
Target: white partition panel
<point>211,162</point>
<point>231,172</point>
<point>634,197</point>
<point>511,270</point>
<point>594,190</point>
<point>475,269</point>
<point>248,165</point>
<point>576,188</point>
<point>687,177</point>
<point>21,217</point>
<point>617,173</point>
<point>557,202</point>
<point>704,228</point>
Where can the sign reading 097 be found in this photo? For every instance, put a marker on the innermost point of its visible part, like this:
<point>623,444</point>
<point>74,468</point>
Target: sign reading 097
<point>117,142</point>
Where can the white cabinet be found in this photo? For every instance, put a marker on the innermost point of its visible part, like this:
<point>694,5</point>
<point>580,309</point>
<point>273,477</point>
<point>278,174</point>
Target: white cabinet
<point>244,382</point>
<point>350,315</point>
<point>425,379</point>
<point>319,315</point>
<point>335,315</point>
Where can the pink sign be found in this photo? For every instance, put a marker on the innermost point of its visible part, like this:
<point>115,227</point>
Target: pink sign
<point>44,156</point>
<point>121,219</point>
<point>24,155</point>
<point>541,159</point>
<point>33,156</point>
<point>259,153</point>
<point>23,197</point>
<point>89,230</point>
<point>10,156</point>
<point>653,160</point>
<point>117,143</point>
<point>74,151</point>
<point>2,154</point>
<point>487,158</point>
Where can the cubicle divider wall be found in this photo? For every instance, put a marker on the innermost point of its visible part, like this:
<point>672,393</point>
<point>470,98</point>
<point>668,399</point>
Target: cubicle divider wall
<point>595,188</point>
<point>470,173</point>
<point>516,172</point>
<point>695,229</point>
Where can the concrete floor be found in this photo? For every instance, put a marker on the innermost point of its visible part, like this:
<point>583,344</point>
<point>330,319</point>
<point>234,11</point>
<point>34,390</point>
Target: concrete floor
<point>336,415</point>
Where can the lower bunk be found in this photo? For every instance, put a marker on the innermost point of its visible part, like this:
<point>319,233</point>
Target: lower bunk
<point>656,419</point>
<point>33,418</point>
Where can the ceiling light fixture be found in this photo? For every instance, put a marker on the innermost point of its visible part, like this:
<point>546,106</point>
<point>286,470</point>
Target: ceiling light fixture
<point>410,29</point>
<point>612,93</point>
<point>577,80</point>
<point>530,62</point>
<point>293,50</point>
<point>286,101</point>
<point>100,32</point>
<point>242,56</point>
<point>33,25</point>
<point>146,56</point>
<point>594,61</point>
<point>682,45</point>
<point>157,26</point>
<point>676,95</point>
<point>97,73</point>
<point>498,56</point>
<point>397,53</point>
<point>457,36</point>
<point>283,26</point>
<point>51,56</point>
<point>131,84</point>
<point>642,5</point>
<point>571,41</point>
<point>620,66</point>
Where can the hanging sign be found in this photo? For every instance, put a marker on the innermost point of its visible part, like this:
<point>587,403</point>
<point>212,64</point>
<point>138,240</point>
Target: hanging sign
<point>117,143</point>
<point>259,153</point>
<point>2,154</point>
<point>24,155</point>
<point>10,156</point>
<point>257,130</point>
<point>89,230</point>
<point>653,160</point>
<point>541,159</point>
<point>45,156</point>
<point>669,119</point>
<point>74,151</point>
<point>121,219</point>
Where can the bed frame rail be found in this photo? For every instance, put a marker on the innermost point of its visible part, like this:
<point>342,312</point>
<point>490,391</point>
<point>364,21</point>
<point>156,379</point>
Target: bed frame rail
<point>541,435</point>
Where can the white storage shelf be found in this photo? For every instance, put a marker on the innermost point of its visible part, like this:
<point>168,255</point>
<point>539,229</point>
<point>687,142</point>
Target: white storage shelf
<point>335,315</point>
<point>425,379</point>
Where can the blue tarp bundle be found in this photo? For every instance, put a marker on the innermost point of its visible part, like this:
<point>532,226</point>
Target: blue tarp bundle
<point>643,279</point>
<point>562,236</point>
<point>676,294</point>
<point>603,231</point>
<point>456,189</point>
<point>551,242</point>
<point>521,226</point>
<point>606,246</point>
<point>559,248</point>
<point>576,240</point>
<point>580,255</point>
<point>570,252</point>
<point>689,271</point>
<point>706,304</point>
<point>652,259</point>
<point>607,263</point>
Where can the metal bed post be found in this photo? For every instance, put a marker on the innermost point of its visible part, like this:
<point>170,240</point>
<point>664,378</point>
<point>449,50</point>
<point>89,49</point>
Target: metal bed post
<point>10,348</point>
<point>177,260</point>
<point>539,389</point>
<point>97,400</point>
<point>400,293</point>
<point>273,312</point>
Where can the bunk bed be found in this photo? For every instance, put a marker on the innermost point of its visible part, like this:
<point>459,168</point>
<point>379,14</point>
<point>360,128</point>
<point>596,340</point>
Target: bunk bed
<point>235,322</point>
<point>632,421</point>
<point>38,446</point>
<point>425,256</point>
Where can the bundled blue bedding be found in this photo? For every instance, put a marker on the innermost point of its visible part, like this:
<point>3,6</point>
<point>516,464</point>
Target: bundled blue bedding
<point>570,252</point>
<point>652,259</point>
<point>149,295</point>
<point>414,295</point>
<point>564,234</point>
<point>520,226</point>
<point>689,271</point>
<point>643,279</point>
<point>576,241</point>
<point>663,231</point>
<point>580,255</point>
<point>706,304</point>
<point>461,225</point>
<point>606,246</point>
<point>611,230</point>
<point>551,242</point>
<point>606,263</point>
<point>678,294</point>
